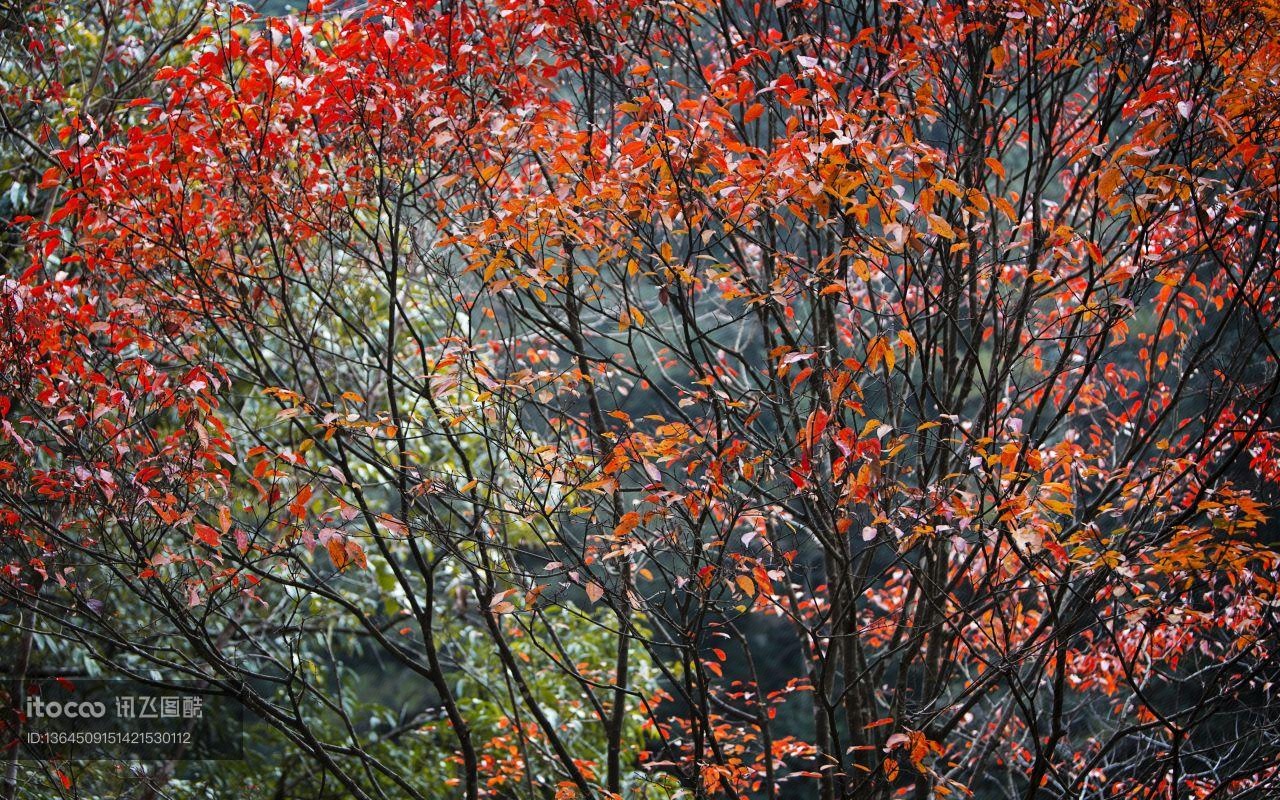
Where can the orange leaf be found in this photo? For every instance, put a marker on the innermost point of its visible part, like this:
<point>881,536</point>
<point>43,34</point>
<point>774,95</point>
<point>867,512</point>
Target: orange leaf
<point>879,349</point>
<point>1108,182</point>
<point>337,553</point>
<point>939,226</point>
<point>908,341</point>
<point>627,524</point>
<point>355,554</point>
<point>890,769</point>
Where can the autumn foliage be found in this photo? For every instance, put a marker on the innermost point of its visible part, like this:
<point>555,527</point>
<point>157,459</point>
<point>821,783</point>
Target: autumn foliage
<point>705,398</point>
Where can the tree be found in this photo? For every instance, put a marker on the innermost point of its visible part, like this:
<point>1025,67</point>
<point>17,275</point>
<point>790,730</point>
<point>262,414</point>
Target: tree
<point>62,69</point>
<point>62,65</point>
<point>759,400</point>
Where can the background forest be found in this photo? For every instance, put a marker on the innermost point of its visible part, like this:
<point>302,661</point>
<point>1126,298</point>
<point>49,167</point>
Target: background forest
<point>649,398</point>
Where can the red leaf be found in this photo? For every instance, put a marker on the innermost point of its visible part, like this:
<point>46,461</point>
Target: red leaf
<point>207,535</point>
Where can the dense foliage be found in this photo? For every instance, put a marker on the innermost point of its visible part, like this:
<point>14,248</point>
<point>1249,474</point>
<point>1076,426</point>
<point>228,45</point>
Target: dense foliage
<point>682,399</point>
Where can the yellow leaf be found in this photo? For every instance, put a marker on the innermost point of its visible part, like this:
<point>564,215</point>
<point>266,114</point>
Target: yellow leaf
<point>1058,506</point>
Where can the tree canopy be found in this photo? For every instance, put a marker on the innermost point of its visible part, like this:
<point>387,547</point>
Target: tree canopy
<point>684,399</point>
